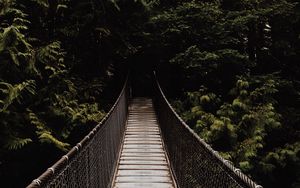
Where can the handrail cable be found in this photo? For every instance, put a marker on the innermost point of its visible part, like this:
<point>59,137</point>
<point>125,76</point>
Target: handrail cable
<point>193,161</point>
<point>91,163</point>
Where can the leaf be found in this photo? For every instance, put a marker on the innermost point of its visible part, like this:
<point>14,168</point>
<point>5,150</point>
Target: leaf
<point>14,56</point>
<point>15,143</point>
<point>61,7</point>
<point>43,3</point>
<point>115,4</point>
<point>15,92</point>
<point>47,137</point>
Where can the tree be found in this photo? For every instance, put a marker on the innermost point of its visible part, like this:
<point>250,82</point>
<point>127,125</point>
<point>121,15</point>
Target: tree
<point>240,93</point>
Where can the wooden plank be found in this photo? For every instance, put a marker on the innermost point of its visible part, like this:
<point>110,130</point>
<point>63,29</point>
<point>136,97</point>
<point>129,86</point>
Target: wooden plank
<point>138,138</point>
<point>139,123</point>
<point>130,154</point>
<point>143,150</point>
<point>140,146</point>
<point>143,179</point>
<point>143,167</point>
<point>144,185</point>
<point>135,121</point>
<point>142,133</point>
<point>150,124</point>
<point>142,119</point>
<point>143,125</point>
<point>140,141</point>
<point>146,140</point>
<point>143,142</point>
<point>142,136</point>
<point>148,158</point>
<point>144,129</point>
<point>143,173</point>
<point>141,130</point>
<point>141,162</point>
<point>141,115</point>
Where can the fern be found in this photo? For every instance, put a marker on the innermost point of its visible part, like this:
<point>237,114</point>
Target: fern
<point>115,4</point>
<point>47,137</point>
<point>52,56</point>
<point>44,133</point>
<point>15,143</point>
<point>15,92</point>
<point>43,3</point>
<point>50,53</point>
<point>35,121</point>
<point>13,42</point>
<point>6,5</point>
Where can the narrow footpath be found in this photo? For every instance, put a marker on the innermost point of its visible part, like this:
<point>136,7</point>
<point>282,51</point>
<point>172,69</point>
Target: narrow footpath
<point>143,162</point>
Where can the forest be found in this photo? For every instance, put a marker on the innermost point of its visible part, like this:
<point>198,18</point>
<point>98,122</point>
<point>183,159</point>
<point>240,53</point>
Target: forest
<point>229,67</point>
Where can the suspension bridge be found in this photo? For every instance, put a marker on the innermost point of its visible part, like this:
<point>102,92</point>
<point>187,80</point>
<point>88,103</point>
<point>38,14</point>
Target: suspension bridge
<point>142,142</point>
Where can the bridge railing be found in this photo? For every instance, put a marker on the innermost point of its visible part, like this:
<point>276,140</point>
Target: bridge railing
<point>193,162</point>
<point>91,163</point>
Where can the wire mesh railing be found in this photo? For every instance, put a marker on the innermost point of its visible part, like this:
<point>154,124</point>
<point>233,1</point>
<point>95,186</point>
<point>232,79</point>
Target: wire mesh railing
<point>91,163</point>
<point>194,163</point>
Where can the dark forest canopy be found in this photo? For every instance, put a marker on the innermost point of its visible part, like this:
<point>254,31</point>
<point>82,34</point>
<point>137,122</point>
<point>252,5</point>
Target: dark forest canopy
<point>230,66</point>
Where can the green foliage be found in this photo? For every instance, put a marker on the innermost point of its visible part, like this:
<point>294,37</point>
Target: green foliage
<point>282,157</point>
<point>174,23</point>
<point>52,58</point>
<point>243,129</point>
<point>15,92</point>
<point>211,64</point>
<point>45,107</point>
<point>44,133</point>
<point>11,41</point>
<point>46,137</point>
<point>237,63</point>
<point>17,143</point>
<point>42,3</point>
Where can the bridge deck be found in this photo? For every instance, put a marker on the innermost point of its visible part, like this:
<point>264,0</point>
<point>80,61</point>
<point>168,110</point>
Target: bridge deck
<point>143,161</point>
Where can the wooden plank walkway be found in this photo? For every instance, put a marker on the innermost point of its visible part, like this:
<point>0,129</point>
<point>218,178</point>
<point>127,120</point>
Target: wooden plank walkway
<point>143,162</point>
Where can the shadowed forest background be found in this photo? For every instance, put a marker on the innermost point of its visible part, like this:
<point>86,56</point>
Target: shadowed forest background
<point>230,67</point>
